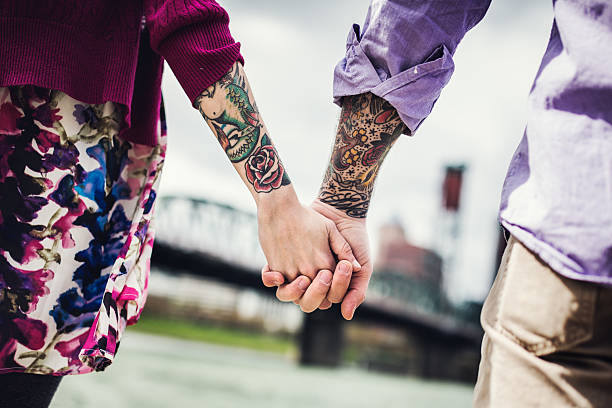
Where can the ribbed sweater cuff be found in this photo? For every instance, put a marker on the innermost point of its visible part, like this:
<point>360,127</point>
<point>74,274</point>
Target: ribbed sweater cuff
<point>200,55</point>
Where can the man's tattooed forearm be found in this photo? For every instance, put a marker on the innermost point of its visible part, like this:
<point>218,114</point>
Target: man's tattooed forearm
<point>368,127</point>
<point>352,203</point>
<point>230,110</point>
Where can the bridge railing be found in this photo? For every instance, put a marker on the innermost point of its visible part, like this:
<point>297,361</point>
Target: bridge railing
<point>207,227</point>
<point>222,232</point>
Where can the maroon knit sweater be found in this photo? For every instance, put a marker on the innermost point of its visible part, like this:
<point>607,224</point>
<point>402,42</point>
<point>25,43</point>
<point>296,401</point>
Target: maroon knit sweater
<point>113,50</point>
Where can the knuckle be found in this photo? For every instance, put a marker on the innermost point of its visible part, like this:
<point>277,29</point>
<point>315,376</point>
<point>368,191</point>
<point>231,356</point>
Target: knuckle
<point>325,260</point>
<point>334,298</point>
<point>308,271</point>
<point>345,249</point>
<point>322,288</point>
<point>291,274</point>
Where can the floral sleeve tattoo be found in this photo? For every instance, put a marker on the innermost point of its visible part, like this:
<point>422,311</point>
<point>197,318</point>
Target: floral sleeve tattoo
<point>368,127</point>
<point>229,109</point>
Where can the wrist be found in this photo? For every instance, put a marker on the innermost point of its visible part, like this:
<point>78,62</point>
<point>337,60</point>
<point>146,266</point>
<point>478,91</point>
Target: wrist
<point>333,213</point>
<point>346,201</point>
<point>270,204</point>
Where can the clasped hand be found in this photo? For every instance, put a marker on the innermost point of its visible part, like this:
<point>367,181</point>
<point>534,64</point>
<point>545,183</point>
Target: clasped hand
<point>316,256</point>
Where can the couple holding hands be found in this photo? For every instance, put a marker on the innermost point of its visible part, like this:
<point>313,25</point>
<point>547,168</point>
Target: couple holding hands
<point>301,243</point>
<point>83,140</point>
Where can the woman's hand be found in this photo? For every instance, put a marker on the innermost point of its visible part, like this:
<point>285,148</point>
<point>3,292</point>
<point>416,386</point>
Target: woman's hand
<point>297,240</point>
<point>346,286</point>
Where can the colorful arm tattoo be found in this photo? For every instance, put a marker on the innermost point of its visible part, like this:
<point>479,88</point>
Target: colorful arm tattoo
<point>368,127</point>
<point>229,109</point>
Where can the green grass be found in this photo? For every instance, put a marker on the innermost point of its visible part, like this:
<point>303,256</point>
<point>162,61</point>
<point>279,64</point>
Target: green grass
<point>187,330</point>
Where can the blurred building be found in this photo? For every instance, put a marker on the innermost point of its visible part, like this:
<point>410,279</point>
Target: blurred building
<point>448,228</point>
<point>397,255</point>
<point>410,278</point>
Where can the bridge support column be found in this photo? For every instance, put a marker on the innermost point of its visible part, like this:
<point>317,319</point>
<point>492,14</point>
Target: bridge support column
<point>429,361</point>
<point>322,338</point>
<point>442,358</point>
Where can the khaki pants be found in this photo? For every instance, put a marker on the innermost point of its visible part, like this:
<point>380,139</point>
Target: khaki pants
<point>548,339</point>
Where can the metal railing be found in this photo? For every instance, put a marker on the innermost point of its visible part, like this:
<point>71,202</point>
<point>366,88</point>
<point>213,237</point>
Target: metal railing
<point>217,230</point>
<point>225,233</point>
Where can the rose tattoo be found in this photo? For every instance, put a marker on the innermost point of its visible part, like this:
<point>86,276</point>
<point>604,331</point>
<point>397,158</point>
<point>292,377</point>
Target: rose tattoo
<point>229,109</point>
<point>264,169</point>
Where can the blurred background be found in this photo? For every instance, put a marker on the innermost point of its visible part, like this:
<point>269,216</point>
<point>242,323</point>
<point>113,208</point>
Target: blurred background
<point>211,335</point>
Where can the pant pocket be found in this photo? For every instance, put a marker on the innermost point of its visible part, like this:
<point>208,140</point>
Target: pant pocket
<point>537,308</point>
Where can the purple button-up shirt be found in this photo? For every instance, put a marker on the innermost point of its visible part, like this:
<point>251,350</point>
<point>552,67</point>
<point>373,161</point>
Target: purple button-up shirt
<point>557,196</point>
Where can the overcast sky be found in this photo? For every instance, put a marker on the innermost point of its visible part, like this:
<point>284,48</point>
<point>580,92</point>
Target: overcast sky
<point>291,49</point>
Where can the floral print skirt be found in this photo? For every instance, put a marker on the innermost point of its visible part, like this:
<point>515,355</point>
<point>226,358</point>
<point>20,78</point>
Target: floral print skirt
<point>76,203</point>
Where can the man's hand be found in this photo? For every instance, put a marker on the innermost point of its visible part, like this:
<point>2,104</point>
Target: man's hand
<point>344,286</point>
<point>355,232</point>
<point>367,129</point>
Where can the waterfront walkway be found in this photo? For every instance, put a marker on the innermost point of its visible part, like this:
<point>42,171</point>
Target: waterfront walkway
<point>159,372</point>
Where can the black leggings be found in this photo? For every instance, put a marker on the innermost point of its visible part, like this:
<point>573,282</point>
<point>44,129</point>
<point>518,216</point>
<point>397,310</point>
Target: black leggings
<point>19,390</point>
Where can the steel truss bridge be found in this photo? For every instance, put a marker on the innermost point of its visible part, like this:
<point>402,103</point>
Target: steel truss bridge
<point>213,240</point>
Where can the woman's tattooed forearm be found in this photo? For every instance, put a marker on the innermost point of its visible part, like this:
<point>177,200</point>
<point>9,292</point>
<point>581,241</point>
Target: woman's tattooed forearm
<point>229,109</point>
<point>226,106</point>
<point>264,169</point>
<point>368,127</point>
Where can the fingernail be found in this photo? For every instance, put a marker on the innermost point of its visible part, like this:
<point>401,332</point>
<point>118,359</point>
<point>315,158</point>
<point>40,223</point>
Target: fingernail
<point>356,264</point>
<point>303,283</point>
<point>326,278</point>
<point>344,268</point>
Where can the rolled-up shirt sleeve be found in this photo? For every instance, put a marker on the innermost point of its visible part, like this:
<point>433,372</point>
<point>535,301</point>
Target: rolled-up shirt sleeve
<point>404,53</point>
